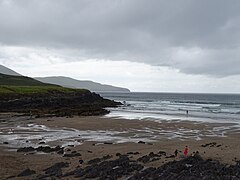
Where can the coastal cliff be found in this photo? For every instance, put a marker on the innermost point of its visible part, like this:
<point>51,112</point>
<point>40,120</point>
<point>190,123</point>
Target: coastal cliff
<point>52,100</point>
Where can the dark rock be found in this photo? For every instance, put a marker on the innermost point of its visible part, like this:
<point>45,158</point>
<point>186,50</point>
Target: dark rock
<point>94,161</point>
<point>109,143</point>
<point>26,149</point>
<point>193,167</point>
<point>141,142</point>
<point>81,161</point>
<point>118,154</point>
<point>130,153</point>
<point>149,158</point>
<point>42,142</point>
<point>47,149</point>
<point>76,172</point>
<point>26,172</point>
<point>110,169</point>
<point>151,154</point>
<point>89,151</point>
<point>171,156</point>
<point>61,151</point>
<point>106,157</point>
<point>57,103</point>
<point>144,159</point>
<point>162,153</point>
<point>155,159</point>
<point>72,155</point>
<point>190,168</point>
<point>98,160</point>
<point>5,143</point>
<point>56,169</point>
<point>212,144</point>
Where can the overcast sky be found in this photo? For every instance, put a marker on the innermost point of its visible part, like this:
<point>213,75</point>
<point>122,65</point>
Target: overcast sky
<point>144,45</point>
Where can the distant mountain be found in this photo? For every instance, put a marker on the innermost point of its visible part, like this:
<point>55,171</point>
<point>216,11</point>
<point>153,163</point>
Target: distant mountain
<point>73,83</point>
<point>10,80</point>
<point>5,70</point>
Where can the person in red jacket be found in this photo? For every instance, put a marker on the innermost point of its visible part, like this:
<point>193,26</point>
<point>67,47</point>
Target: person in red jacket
<point>186,151</point>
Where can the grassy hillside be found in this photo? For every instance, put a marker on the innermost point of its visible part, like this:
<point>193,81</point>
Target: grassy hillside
<point>19,81</point>
<point>24,95</point>
<point>29,90</point>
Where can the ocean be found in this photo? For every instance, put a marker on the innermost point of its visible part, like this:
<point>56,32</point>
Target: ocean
<point>217,108</point>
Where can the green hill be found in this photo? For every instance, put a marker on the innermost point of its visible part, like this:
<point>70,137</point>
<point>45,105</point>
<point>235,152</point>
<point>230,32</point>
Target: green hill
<point>23,94</point>
<point>10,80</point>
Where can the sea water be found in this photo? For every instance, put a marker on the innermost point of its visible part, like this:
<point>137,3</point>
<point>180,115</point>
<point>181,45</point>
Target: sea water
<point>221,108</point>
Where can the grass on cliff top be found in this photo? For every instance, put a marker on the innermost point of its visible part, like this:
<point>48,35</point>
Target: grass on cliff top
<point>8,80</point>
<point>28,90</point>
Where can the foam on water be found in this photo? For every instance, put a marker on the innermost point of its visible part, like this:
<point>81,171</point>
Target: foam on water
<point>211,108</point>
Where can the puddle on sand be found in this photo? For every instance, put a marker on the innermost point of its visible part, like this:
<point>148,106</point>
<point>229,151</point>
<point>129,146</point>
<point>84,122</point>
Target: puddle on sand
<point>24,135</point>
<point>39,135</point>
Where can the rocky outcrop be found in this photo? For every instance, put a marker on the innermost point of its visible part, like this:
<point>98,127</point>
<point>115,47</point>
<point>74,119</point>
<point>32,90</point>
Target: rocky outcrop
<point>58,103</point>
<point>45,149</point>
<point>26,172</point>
<point>107,167</point>
<point>193,167</point>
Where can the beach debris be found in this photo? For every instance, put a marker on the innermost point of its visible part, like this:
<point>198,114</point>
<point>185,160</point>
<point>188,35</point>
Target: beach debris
<point>26,172</point>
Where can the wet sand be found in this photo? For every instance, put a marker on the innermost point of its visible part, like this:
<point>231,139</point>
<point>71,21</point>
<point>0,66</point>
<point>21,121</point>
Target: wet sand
<point>114,136</point>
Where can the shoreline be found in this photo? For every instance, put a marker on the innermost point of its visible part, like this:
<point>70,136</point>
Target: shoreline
<point>223,149</point>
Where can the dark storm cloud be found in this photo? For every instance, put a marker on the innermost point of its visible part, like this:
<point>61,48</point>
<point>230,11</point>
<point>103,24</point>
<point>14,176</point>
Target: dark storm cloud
<point>198,37</point>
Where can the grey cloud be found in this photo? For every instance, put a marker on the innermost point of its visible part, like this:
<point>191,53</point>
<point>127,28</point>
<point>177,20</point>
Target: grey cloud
<point>138,30</point>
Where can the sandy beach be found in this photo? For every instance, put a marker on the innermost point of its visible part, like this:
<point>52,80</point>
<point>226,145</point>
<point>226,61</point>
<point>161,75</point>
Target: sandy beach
<point>98,136</point>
